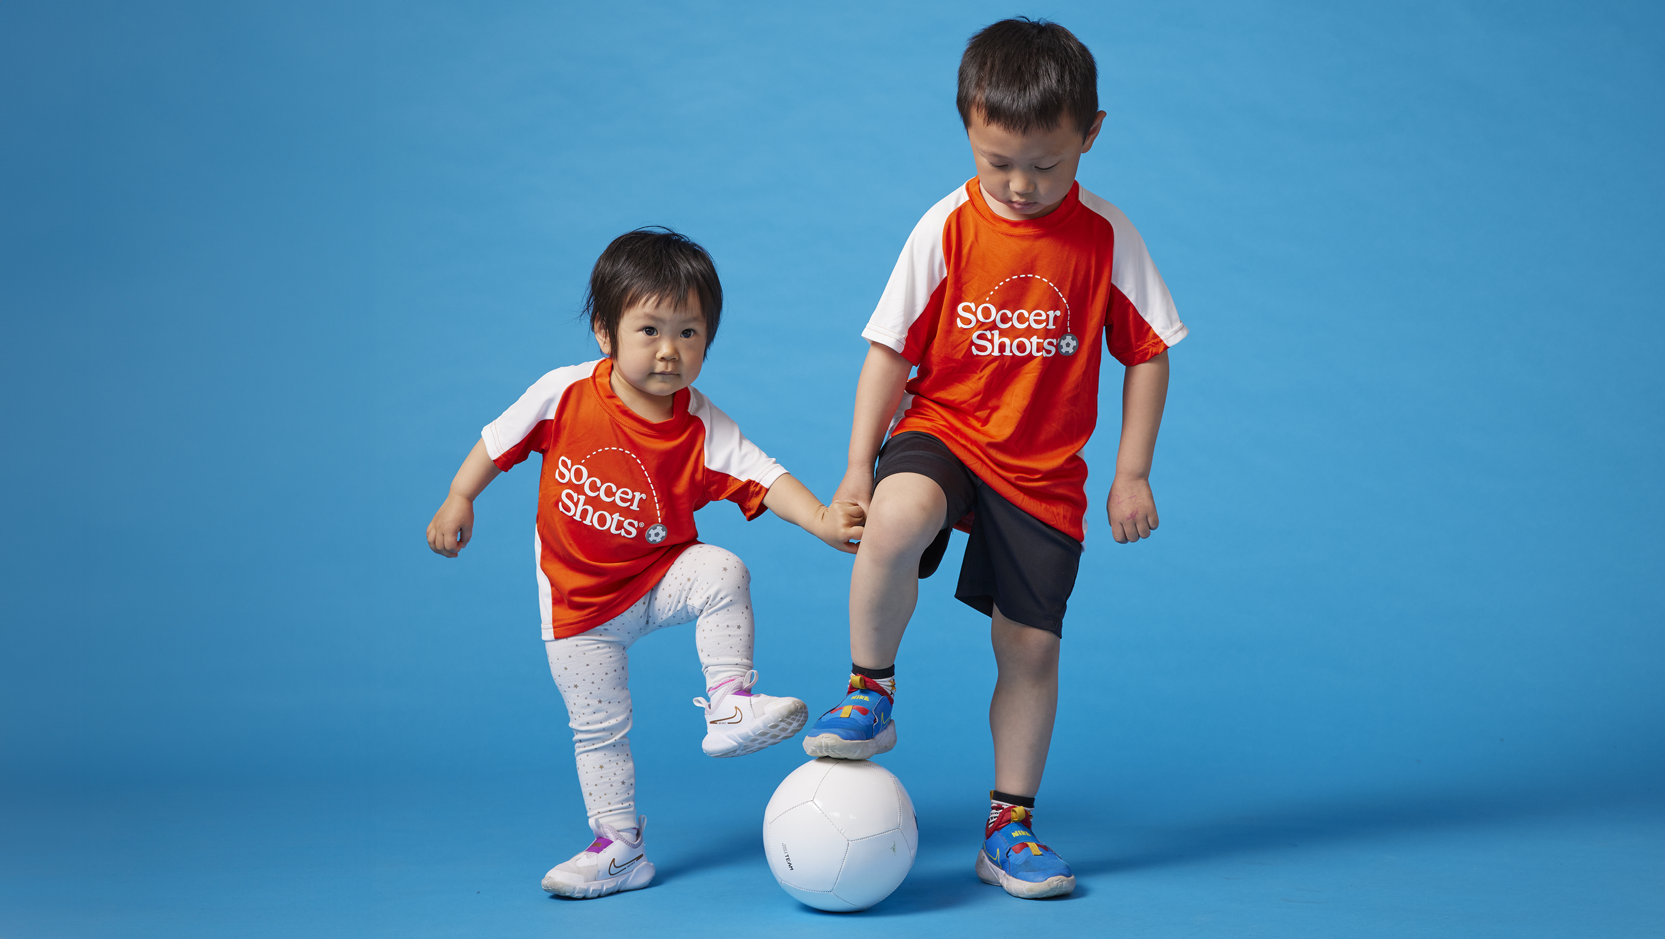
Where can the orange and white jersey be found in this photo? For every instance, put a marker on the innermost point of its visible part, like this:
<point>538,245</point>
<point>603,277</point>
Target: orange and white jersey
<point>618,492</point>
<point>1002,319</point>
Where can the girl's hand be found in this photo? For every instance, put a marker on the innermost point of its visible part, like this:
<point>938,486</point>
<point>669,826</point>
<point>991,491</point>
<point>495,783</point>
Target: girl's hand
<point>452,527</point>
<point>840,525</point>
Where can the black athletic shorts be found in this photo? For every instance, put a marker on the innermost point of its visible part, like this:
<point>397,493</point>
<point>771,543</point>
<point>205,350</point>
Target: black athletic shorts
<point>1012,559</point>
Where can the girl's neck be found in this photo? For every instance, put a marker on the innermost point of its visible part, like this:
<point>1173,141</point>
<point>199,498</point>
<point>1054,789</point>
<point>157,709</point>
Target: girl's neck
<point>652,408</point>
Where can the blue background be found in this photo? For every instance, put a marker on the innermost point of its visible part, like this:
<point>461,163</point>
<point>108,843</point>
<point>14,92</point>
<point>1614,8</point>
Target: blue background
<point>1392,666</point>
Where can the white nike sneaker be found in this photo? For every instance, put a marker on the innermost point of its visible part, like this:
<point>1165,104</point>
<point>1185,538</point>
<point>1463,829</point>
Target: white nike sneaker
<point>610,864</point>
<point>739,722</point>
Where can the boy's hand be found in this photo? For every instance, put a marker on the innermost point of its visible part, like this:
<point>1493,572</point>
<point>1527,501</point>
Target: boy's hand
<point>1132,509</point>
<point>856,490</point>
<point>455,515</point>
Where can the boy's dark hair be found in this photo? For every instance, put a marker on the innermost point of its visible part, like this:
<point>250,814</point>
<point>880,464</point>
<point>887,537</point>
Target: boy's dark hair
<point>1024,75</point>
<point>652,263</point>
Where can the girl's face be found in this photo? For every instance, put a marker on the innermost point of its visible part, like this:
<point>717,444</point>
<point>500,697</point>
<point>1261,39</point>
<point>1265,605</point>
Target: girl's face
<point>661,348</point>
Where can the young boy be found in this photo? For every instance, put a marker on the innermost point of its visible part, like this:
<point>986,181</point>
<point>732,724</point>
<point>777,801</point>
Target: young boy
<point>998,300</point>
<point>629,452</point>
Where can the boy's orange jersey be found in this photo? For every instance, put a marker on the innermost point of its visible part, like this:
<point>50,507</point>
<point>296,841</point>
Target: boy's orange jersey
<point>1003,320</point>
<point>618,492</point>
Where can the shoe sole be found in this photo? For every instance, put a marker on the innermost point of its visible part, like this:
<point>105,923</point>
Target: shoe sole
<point>634,880</point>
<point>840,749</point>
<point>1023,889</point>
<point>784,725</point>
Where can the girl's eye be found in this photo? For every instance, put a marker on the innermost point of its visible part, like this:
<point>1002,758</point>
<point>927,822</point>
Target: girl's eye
<point>651,330</point>
<point>687,334</point>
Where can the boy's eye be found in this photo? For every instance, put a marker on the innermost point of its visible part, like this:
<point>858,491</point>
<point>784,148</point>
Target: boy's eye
<point>687,334</point>
<point>1045,168</point>
<point>651,330</point>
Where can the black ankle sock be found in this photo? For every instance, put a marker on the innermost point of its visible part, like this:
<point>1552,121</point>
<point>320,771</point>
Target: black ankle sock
<point>889,671</point>
<point>1027,802</point>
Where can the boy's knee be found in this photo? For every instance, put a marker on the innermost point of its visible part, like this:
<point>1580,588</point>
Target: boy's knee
<point>908,510</point>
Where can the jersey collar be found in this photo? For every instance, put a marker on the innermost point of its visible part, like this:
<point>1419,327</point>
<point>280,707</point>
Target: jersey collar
<point>601,381</point>
<point>1034,226</point>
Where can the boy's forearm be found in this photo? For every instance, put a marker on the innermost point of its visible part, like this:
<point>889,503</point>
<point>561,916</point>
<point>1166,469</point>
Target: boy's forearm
<point>477,472</point>
<point>1144,394</point>
<point>879,390</point>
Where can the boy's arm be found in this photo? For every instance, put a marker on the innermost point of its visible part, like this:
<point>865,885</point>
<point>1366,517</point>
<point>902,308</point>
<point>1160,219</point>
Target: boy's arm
<point>878,392</point>
<point>1131,506</point>
<point>453,524</point>
<point>838,526</point>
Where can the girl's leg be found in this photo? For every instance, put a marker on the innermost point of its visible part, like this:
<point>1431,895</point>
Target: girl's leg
<point>593,671</point>
<point>711,585</point>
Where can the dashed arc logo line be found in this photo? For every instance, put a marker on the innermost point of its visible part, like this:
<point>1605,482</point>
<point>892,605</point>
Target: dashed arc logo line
<point>1063,299</point>
<point>657,514</point>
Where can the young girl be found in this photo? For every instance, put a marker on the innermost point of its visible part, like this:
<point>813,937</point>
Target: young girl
<point>630,450</point>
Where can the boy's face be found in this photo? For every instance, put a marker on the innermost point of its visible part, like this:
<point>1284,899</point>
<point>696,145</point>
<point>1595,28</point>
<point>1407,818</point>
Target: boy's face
<point>1026,176</point>
<point>661,346</point>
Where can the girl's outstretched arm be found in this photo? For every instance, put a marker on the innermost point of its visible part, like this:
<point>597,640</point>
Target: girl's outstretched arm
<point>453,524</point>
<point>839,526</point>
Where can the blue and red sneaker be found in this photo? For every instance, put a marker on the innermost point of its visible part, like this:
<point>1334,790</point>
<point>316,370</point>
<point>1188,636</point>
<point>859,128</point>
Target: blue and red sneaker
<point>1013,858</point>
<point>859,727</point>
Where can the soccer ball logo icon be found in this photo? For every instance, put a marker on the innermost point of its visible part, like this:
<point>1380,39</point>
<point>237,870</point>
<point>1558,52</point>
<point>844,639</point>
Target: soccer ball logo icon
<point>1068,344</point>
<point>655,533</point>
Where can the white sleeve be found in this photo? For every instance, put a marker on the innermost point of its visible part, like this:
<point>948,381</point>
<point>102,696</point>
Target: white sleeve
<point>918,272</point>
<point>507,434</point>
<point>1134,274</point>
<point>727,450</point>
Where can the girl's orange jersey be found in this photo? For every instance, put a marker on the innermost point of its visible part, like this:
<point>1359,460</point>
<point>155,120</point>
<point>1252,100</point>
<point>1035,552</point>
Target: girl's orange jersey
<point>618,493</point>
<point>1003,320</point>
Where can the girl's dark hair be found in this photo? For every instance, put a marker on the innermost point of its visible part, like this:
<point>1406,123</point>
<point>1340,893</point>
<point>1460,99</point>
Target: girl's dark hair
<point>1024,75</point>
<point>652,263</point>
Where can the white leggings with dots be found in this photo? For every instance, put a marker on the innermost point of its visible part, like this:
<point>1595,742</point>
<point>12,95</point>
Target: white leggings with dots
<point>592,669</point>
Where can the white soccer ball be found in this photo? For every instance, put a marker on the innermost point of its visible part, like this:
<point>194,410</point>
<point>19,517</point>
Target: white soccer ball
<point>840,834</point>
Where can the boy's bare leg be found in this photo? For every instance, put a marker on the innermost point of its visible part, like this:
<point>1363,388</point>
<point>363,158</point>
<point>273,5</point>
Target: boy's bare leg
<point>906,514</point>
<point>1024,704</point>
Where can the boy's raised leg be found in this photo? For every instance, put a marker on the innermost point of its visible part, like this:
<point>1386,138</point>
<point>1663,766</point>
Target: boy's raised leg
<point>906,514</point>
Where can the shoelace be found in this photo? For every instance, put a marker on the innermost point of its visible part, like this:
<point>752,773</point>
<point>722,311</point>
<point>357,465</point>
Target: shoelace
<point>859,683</point>
<point>1008,815</point>
<point>719,694</point>
<point>606,834</point>
<point>863,683</point>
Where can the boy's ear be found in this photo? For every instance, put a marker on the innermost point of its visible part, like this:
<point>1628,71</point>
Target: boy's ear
<point>1092,132</point>
<point>601,340</point>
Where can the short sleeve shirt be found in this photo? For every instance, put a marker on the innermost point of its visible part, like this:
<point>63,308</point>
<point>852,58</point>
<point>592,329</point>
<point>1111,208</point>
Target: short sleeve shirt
<point>617,495</point>
<point>1003,320</point>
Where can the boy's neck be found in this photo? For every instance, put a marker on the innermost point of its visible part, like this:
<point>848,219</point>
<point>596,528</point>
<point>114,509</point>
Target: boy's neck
<point>649,407</point>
